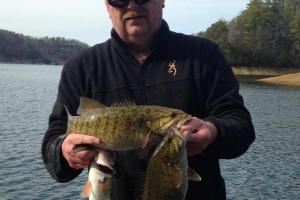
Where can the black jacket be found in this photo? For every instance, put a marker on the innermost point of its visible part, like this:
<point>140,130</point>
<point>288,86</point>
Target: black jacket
<point>201,84</point>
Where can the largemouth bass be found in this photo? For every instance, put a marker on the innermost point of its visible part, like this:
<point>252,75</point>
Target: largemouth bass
<point>123,126</point>
<point>168,173</point>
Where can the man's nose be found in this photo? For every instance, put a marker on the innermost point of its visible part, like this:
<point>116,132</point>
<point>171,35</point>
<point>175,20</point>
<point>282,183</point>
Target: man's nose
<point>132,4</point>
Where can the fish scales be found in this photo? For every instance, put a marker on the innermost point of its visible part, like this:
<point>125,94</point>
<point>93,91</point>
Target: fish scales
<point>119,121</point>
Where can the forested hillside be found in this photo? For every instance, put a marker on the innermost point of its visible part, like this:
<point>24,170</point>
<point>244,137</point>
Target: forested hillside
<point>266,34</point>
<point>17,48</point>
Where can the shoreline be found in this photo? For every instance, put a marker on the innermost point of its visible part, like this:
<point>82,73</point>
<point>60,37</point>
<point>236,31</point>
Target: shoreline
<point>274,76</point>
<point>288,80</point>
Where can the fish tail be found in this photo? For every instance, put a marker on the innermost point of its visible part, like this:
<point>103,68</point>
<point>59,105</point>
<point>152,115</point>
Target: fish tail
<point>67,111</point>
<point>86,190</point>
<point>69,117</point>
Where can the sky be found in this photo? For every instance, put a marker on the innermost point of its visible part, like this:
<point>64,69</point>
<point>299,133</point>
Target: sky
<point>88,21</point>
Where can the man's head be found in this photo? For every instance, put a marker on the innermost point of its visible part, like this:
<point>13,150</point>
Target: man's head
<point>135,19</point>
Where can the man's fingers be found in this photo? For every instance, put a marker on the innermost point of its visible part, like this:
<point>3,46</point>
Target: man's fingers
<point>192,125</point>
<point>78,163</point>
<point>80,159</point>
<point>85,155</point>
<point>187,129</point>
<point>83,139</point>
<point>204,133</point>
<point>78,166</point>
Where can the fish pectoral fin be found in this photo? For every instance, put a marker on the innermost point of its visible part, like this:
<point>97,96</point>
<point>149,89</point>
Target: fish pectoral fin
<point>146,140</point>
<point>178,177</point>
<point>87,104</point>
<point>143,152</point>
<point>86,190</point>
<point>193,176</point>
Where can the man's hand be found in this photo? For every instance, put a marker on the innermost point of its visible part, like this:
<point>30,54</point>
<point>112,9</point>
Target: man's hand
<point>80,159</point>
<point>202,134</point>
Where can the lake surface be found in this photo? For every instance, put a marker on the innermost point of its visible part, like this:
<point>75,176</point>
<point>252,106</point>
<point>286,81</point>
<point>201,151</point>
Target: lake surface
<point>270,170</point>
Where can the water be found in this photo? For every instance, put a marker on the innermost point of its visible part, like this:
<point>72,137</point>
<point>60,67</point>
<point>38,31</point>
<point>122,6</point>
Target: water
<point>271,167</point>
<point>269,170</point>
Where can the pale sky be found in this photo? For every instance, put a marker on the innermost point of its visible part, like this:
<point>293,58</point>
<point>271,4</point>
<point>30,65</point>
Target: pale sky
<point>88,21</point>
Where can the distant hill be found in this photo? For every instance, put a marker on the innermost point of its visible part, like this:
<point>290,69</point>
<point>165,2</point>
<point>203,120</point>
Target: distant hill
<point>18,48</point>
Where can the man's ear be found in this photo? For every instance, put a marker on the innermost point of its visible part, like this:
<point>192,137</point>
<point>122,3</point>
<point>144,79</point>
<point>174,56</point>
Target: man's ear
<point>107,8</point>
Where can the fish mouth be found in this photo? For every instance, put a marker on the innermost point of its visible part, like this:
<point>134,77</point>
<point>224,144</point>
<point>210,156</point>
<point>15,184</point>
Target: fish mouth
<point>104,162</point>
<point>105,169</point>
<point>183,121</point>
<point>103,172</point>
<point>178,123</point>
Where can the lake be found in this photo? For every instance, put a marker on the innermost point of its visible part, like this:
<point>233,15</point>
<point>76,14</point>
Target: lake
<point>270,169</point>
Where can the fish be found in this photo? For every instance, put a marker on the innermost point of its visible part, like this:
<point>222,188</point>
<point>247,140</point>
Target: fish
<point>123,126</point>
<point>101,171</point>
<point>167,173</point>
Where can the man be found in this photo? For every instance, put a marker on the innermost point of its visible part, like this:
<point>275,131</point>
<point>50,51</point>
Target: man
<point>148,63</point>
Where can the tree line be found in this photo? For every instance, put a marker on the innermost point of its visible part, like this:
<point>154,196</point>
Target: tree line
<point>266,34</point>
<point>18,48</point>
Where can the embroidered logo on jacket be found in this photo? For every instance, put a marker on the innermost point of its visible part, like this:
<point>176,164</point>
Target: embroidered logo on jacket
<point>172,67</point>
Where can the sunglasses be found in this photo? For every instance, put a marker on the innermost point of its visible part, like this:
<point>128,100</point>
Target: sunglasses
<point>125,3</point>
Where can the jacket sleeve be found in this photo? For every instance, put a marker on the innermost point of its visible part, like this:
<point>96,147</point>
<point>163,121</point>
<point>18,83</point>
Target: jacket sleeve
<point>69,90</point>
<point>224,107</point>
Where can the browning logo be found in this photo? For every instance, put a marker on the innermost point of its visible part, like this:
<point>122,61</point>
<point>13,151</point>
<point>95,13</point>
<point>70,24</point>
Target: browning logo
<point>172,67</point>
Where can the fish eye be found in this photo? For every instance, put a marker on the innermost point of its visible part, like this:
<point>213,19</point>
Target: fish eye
<point>173,114</point>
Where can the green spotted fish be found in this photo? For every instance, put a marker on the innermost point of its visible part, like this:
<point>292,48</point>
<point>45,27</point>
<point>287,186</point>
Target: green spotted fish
<point>123,126</point>
<point>168,173</point>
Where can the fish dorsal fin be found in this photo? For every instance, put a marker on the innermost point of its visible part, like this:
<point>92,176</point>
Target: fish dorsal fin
<point>123,102</point>
<point>193,176</point>
<point>87,104</point>
<point>86,190</point>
